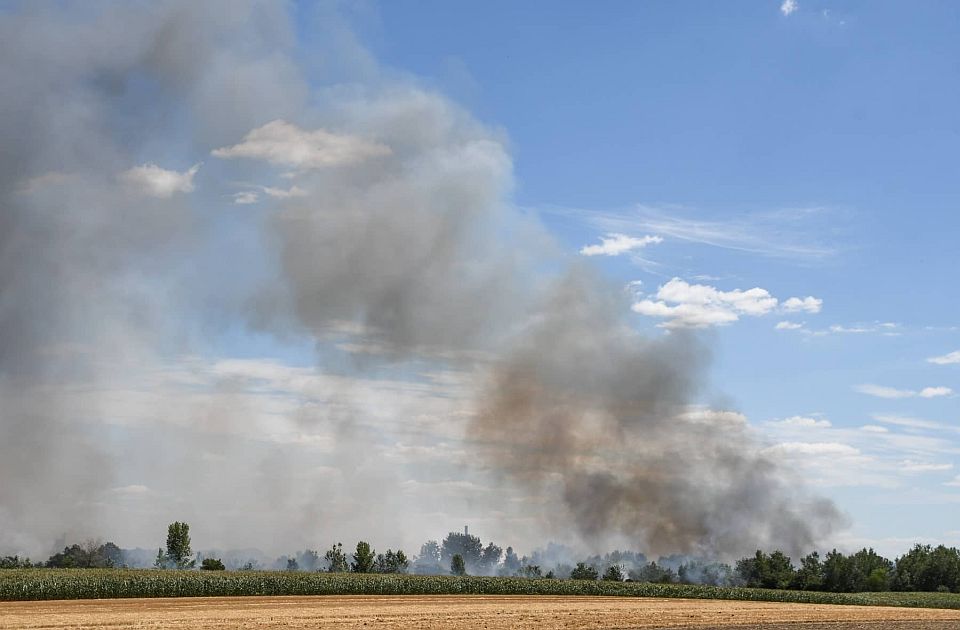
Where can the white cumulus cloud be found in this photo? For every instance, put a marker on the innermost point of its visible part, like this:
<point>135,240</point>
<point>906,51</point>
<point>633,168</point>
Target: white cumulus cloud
<point>808,304</point>
<point>284,144</point>
<point>698,305</point>
<point>789,6</point>
<point>160,182</point>
<point>947,359</point>
<point>616,244</point>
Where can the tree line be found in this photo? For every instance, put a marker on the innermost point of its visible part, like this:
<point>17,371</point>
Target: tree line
<point>923,568</point>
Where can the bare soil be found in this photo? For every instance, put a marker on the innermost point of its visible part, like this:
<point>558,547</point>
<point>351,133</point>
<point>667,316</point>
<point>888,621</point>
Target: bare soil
<point>461,612</point>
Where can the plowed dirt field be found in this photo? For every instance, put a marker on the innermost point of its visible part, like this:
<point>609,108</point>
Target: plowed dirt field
<point>457,613</point>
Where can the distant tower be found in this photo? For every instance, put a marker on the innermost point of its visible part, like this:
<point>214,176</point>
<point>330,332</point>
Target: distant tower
<point>466,530</point>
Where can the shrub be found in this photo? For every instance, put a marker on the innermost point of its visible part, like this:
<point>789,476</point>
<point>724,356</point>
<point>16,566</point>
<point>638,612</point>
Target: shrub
<point>212,564</point>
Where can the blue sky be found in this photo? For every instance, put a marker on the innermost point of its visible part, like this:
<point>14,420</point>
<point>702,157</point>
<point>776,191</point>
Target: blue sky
<point>256,239</point>
<point>827,135</point>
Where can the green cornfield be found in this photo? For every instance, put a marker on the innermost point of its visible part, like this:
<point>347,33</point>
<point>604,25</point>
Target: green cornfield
<point>45,584</point>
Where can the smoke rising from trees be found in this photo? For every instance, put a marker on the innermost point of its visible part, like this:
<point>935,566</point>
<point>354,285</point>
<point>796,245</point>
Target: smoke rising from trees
<point>393,240</point>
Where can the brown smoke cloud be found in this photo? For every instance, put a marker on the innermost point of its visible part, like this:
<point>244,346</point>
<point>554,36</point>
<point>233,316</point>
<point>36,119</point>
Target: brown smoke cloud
<point>585,405</point>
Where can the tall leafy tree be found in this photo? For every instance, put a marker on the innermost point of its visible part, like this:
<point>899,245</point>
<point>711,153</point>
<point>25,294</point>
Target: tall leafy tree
<point>336,560</point>
<point>363,558</point>
<point>490,558</point>
<point>178,546</point>
<point>468,546</point>
<point>428,560</point>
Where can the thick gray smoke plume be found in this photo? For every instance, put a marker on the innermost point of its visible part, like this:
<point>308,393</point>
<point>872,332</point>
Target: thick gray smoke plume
<point>92,247</point>
<point>584,405</point>
<point>385,233</point>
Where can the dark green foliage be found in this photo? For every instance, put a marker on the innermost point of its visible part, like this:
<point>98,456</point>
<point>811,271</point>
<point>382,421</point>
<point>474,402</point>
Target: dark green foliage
<point>178,546</point>
<point>531,571</point>
<point>91,555</point>
<point>614,573</point>
<point>469,547</point>
<point>652,572</point>
<point>838,575</point>
<point>763,571</point>
<point>336,560</point>
<point>457,565</point>
<point>809,577</point>
<point>925,568</point>
<point>490,558</point>
<point>363,558</point>
<point>212,564</point>
<point>391,562</point>
<point>16,562</point>
<point>870,571</point>
<point>292,564</point>
<point>584,572</point>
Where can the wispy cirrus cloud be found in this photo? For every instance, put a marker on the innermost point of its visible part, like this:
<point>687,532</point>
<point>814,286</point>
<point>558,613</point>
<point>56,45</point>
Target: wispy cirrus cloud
<point>784,234</point>
<point>887,329</point>
<point>909,422</point>
<point>807,422</point>
<point>880,391</point>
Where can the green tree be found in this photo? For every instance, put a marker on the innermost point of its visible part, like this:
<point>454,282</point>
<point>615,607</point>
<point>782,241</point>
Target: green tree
<point>752,569</point>
<point>809,577</point>
<point>178,546</point>
<point>870,571</point>
<point>614,573</point>
<point>159,563</point>
<point>490,558</point>
<point>336,560</point>
<point>652,572</point>
<point>468,546</point>
<point>838,573</point>
<point>531,571</point>
<point>779,571</point>
<point>511,563</point>
<point>584,571</point>
<point>363,558</point>
<point>212,564</point>
<point>292,564</point>
<point>457,566</point>
<point>428,561</point>
<point>391,562</point>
